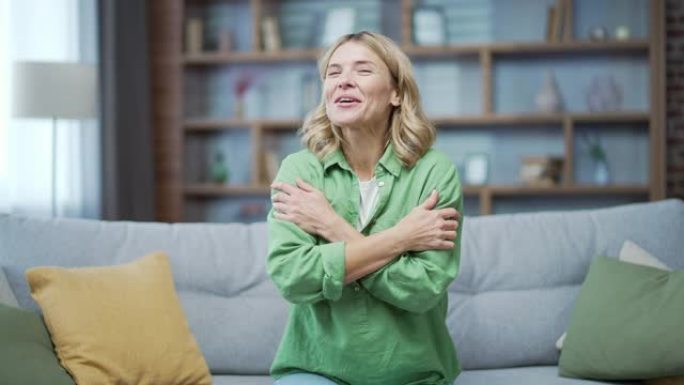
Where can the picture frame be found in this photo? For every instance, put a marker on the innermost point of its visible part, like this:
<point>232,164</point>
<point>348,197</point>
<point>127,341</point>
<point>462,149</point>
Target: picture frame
<point>476,168</point>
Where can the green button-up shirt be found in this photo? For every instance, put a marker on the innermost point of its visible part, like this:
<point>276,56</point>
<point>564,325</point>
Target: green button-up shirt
<point>387,328</point>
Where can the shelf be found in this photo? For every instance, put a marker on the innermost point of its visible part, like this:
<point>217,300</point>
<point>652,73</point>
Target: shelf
<point>215,190</point>
<point>632,46</point>
<point>211,190</point>
<point>210,58</point>
<point>521,190</point>
<point>202,125</point>
<point>611,117</point>
<point>525,48</point>
<point>209,125</point>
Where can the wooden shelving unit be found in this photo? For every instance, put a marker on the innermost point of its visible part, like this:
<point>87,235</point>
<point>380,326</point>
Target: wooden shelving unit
<point>169,64</point>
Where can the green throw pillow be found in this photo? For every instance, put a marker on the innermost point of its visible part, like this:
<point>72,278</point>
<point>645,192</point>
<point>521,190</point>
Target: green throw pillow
<point>26,353</point>
<point>628,324</point>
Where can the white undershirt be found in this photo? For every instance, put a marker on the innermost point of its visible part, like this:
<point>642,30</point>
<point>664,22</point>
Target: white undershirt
<point>369,194</point>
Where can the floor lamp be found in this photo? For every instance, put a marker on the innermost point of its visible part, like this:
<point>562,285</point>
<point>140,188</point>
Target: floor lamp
<point>54,90</point>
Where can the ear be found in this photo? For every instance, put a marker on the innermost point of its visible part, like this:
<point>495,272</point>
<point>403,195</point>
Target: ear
<point>395,100</point>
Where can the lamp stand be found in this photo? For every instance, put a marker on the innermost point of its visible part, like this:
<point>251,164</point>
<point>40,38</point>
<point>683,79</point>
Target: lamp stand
<point>54,167</point>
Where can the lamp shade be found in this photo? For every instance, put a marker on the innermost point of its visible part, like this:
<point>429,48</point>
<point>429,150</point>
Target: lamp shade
<point>54,90</point>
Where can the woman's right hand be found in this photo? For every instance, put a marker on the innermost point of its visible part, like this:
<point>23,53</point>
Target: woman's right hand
<point>427,228</point>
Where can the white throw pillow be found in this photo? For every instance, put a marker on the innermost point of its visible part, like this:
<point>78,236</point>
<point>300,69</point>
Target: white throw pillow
<point>632,253</point>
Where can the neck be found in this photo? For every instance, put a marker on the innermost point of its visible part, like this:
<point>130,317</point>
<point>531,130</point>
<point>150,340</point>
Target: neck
<point>363,148</point>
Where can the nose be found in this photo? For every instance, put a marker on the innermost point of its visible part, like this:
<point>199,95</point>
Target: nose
<point>344,81</point>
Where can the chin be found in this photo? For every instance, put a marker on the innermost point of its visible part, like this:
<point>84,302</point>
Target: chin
<point>343,122</point>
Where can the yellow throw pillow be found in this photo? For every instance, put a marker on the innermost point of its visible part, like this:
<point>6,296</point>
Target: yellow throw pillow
<point>120,324</point>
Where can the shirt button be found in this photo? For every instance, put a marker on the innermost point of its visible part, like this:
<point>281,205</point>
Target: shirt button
<point>356,289</point>
<point>381,184</point>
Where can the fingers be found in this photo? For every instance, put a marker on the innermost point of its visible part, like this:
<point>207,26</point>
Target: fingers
<point>431,201</point>
<point>445,245</point>
<point>303,185</point>
<point>279,197</point>
<point>284,187</point>
<point>282,216</point>
<point>280,207</point>
<point>449,213</point>
<point>450,225</point>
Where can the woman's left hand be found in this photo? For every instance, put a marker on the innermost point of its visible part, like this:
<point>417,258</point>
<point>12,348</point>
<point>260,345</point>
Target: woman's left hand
<point>303,205</point>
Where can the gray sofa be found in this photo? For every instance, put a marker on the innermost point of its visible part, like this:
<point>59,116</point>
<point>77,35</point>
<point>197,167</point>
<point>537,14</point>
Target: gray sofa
<point>519,278</point>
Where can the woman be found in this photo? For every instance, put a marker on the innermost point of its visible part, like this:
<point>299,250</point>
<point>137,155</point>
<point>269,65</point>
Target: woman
<point>363,232</point>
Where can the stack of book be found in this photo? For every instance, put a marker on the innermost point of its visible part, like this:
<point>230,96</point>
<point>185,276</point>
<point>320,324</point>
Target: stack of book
<point>558,22</point>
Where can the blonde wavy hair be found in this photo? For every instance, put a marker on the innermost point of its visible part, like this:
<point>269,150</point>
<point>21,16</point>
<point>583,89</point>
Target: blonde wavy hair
<point>410,132</point>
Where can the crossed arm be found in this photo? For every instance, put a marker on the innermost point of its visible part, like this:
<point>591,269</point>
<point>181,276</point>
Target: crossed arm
<point>424,228</point>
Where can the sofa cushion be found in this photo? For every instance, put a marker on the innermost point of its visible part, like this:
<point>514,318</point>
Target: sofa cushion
<point>632,253</point>
<point>627,324</point>
<point>546,375</point>
<point>26,353</point>
<point>237,334</point>
<point>242,380</point>
<point>120,324</point>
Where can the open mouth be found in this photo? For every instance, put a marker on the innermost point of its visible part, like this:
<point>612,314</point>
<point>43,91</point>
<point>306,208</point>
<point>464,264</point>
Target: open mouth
<point>346,100</point>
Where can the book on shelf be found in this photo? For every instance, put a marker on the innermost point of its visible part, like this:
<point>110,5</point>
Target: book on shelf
<point>271,33</point>
<point>558,19</point>
<point>550,22</point>
<point>194,35</point>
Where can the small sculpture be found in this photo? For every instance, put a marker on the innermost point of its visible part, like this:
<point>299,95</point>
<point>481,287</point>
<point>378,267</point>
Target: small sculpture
<point>548,99</point>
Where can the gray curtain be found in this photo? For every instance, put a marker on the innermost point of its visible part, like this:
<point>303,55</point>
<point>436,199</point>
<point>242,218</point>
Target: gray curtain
<point>127,153</point>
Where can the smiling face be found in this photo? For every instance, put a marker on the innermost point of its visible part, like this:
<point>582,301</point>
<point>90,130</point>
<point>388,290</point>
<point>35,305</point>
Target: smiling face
<point>358,88</point>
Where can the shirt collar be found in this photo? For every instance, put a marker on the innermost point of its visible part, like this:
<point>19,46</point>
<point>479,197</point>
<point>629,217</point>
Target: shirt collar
<point>388,161</point>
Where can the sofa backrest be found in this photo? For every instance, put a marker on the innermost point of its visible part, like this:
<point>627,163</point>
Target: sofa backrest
<point>233,308</point>
<point>519,275</point>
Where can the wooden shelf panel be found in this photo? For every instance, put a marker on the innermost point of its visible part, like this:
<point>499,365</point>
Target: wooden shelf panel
<point>578,46</point>
<point>523,48</point>
<point>612,117</point>
<point>539,119</point>
<point>521,190</point>
<point>200,125</point>
<point>209,190</point>
<point>209,58</point>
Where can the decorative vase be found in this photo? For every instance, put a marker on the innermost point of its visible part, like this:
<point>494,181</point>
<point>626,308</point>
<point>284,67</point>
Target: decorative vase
<point>548,99</point>
<point>601,172</point>
<point>604,94</point>
<point>219,169</point>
